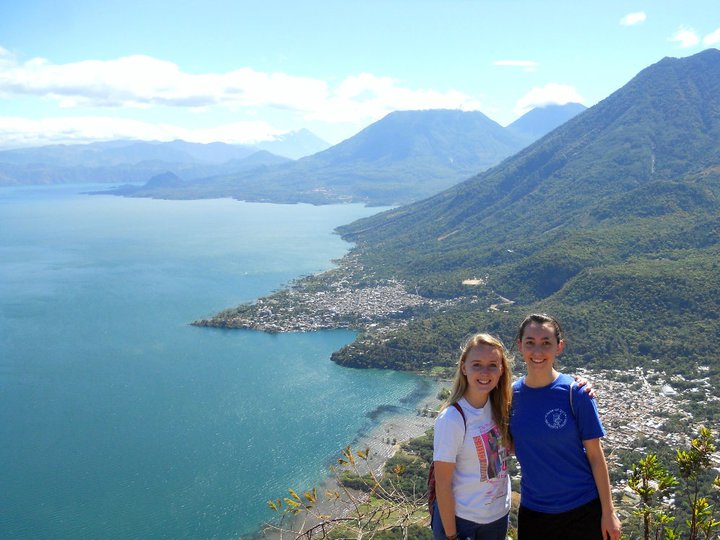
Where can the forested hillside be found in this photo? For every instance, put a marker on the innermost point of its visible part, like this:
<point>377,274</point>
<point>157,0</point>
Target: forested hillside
<point>611,221</point>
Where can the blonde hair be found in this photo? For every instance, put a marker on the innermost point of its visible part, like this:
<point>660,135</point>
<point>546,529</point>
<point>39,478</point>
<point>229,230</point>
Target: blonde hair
<point>501,395</point>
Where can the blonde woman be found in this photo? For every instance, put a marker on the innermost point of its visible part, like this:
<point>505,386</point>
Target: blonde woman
<point>472,444</point>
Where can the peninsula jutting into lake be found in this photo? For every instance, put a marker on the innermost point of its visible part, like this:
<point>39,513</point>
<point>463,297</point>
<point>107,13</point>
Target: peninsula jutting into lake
<point>342,297</point>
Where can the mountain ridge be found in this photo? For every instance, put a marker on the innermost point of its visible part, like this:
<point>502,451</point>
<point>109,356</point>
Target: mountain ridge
<point>508,183</point>
<point>403,157</point>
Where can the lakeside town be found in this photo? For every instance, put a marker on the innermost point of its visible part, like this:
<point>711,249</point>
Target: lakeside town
<point>337,298</point>
<point>640,409</point>
<point>342,306</point>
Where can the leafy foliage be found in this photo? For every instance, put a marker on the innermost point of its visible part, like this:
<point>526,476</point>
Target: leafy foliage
<point>653,484</point>
<point>382,510</point>
<point>655,487</point>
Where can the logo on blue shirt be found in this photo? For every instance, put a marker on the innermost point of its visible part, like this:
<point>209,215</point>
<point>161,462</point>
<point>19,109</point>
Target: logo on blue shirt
<point>556,418</point>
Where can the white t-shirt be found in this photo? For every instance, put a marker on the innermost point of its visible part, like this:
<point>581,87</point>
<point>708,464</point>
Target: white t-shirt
<point>481,484</point>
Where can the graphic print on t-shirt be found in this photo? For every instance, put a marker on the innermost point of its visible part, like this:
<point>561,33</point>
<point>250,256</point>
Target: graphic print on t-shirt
<point>556,419</point>
<point>491,454</point>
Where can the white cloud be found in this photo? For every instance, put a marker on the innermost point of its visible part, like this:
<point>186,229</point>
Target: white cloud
<point>16,131</point>
<point>631,19</point>
<point>552,93</point>
<point>712,39</point>
<point>685,37</point>
<point>369,97</point>
<point>143,82</point>
<point>527,65</point>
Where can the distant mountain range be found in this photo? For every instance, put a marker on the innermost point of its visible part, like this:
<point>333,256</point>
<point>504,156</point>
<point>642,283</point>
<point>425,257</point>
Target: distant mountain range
<point>611,221</point>
<point>540,121</point>
<point>136,161</point>
<point>403,157</point>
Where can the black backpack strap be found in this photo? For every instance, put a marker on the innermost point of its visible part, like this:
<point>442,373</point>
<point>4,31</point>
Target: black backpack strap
<point>462,413</point>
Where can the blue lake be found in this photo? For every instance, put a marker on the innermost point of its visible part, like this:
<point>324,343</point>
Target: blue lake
<point>119,420</point>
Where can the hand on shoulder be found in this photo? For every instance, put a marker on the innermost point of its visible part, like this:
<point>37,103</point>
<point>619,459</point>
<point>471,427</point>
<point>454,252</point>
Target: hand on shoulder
<point>585,384</point>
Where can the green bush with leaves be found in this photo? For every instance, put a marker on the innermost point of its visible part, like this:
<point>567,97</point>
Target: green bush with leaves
<point>695,515</point>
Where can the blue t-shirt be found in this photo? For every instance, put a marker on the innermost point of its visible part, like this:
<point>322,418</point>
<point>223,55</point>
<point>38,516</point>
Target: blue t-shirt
<point>556,475</point>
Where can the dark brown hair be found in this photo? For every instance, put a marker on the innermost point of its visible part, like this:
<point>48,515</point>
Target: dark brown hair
<point>540,318</point>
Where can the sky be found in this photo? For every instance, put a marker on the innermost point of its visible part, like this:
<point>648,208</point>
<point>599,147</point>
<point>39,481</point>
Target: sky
<point>244,71</point>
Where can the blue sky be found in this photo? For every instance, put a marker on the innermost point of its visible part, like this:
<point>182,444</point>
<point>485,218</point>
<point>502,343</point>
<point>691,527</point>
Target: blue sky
<point>244,71</point>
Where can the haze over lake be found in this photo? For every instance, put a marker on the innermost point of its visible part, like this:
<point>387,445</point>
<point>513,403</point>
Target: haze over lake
<point>118,419</point>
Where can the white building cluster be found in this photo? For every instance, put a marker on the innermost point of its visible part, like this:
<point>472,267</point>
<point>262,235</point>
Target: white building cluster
<point>338,306</point>
<point>635,413</point>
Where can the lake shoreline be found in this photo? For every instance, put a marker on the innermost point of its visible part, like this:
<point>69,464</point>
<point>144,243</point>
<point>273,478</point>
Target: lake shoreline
<point>382,441</point>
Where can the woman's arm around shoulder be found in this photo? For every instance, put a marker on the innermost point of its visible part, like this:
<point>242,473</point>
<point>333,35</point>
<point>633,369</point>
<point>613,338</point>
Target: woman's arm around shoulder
<point>611,528</point>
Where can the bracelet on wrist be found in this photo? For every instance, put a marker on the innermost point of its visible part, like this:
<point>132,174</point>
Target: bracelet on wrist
<point>451,536</point>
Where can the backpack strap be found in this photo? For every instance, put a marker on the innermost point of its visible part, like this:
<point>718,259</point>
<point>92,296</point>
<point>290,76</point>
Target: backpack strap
<point>572,387</point>
<point>462,413</point>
